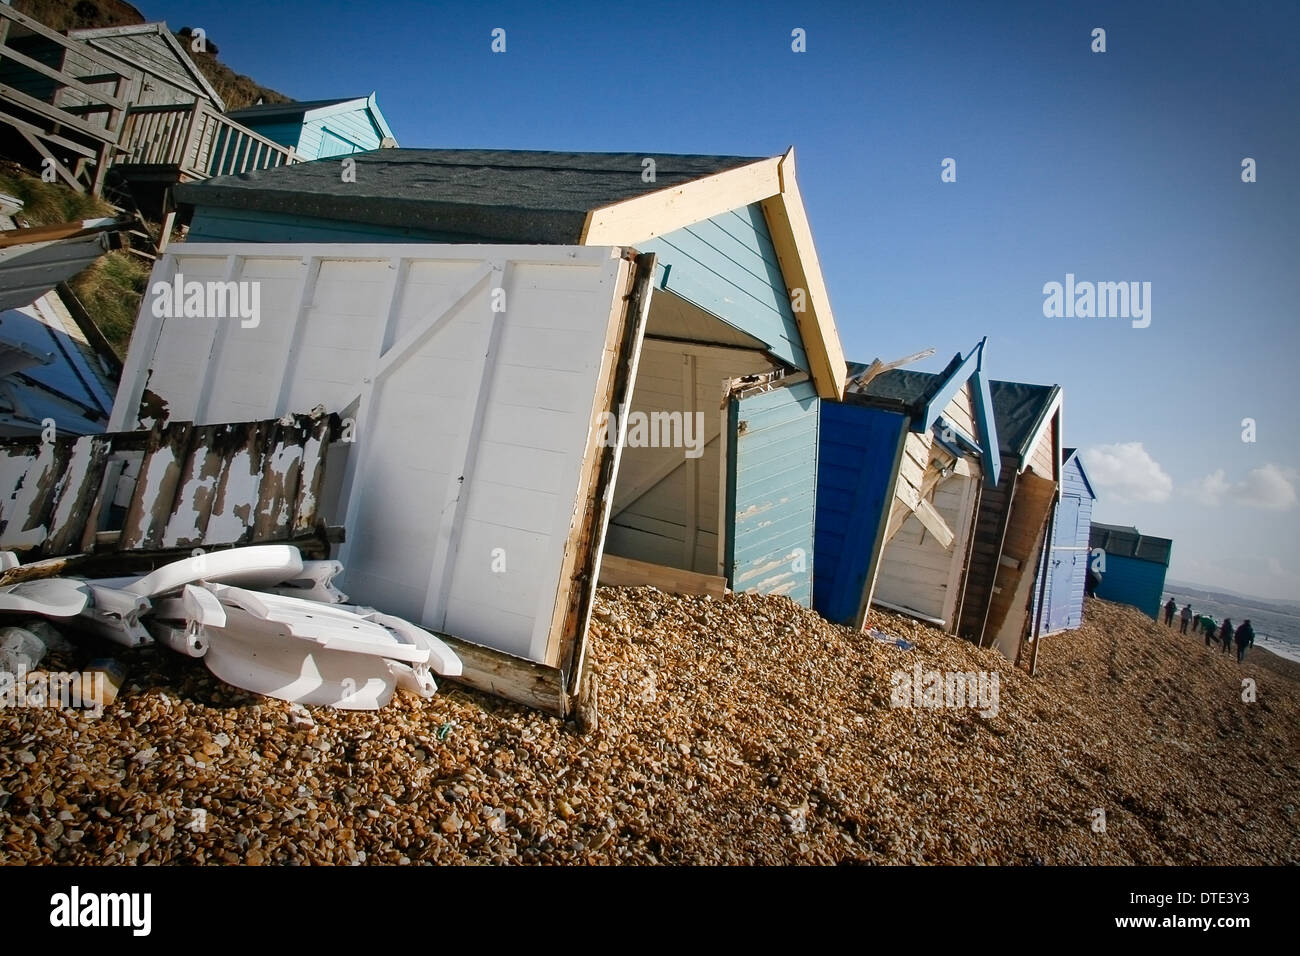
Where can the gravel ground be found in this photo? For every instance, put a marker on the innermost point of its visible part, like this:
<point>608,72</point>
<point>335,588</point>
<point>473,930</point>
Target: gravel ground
<point>745,730</point>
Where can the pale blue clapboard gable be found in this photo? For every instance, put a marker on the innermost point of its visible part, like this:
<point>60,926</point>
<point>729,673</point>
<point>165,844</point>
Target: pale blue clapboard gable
<point>728,267</point>
<point>342,133</point>
<point>338,134</point>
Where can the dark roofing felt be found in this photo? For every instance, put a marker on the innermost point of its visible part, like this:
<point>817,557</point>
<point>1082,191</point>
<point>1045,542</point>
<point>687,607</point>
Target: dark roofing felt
<point>496,195</point>
<point>1018,409</point>
<point>910,387</point>
<point>1129,542</point>
<point>264,111</point>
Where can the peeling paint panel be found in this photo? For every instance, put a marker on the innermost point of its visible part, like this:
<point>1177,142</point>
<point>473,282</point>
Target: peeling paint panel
<point>207,486</point>
<point>772,489</point>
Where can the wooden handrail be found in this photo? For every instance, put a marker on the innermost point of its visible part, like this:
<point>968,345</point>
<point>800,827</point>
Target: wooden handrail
<point>84,49</point>
<point>198,140</point>
<point>100,101</point>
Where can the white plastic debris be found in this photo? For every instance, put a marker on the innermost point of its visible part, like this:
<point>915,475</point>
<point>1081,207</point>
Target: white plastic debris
<point>314,584</point>
<point>261,618</point>
<point>262,565</point>
<point>116,614</point>
<point>48,597</point>
<point>311,653</point>
<point>181,623</point>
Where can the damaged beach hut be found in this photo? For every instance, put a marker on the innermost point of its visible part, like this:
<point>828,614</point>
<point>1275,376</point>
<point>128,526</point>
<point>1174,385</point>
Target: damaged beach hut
<point>900,465</point>
<point>536,357</point>
<point>1011,527</point>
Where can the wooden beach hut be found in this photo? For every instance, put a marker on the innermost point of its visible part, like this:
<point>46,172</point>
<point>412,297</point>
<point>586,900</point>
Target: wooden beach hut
<point>318,129</point>
<point>1011,526</point>
<point>482,426</point>
<point>1132,566</point>
<point>901,461</point>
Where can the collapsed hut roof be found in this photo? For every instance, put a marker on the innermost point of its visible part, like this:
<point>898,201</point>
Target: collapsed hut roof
<point>484,195</point>
<point>553,198</point>
<point>1021,410</point>
<point>909,387</point>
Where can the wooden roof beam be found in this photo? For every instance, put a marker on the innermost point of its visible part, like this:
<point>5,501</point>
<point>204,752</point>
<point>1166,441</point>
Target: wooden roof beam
<point>787,220</point>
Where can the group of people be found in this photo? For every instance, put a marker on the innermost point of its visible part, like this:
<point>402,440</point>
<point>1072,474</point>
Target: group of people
<point>1215,633</point>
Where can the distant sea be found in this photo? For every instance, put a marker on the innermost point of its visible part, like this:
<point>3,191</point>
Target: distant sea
<point>1276,625</point>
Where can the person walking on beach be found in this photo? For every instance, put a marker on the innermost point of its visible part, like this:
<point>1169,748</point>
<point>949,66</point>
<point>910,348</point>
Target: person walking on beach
<point>1245,638</point>
<point>1225,635</point>
<point>1184,618</point>
<point>1169,613</point>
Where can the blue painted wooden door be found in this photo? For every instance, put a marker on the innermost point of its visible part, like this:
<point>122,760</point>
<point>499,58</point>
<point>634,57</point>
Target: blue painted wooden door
<point>772,491</point>
<point>1067,521</point>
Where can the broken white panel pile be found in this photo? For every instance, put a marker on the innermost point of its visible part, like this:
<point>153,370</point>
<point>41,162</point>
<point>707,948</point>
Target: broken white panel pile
<point>261,618</point>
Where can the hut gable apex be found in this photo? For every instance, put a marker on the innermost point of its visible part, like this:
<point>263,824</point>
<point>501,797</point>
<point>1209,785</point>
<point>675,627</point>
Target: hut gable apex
<point>115,42</point>
<point>1071,455</point>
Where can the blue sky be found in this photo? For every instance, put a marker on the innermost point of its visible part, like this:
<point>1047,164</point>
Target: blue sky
<point>1115,166</point>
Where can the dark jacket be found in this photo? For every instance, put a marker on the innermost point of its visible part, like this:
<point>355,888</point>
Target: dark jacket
<point>1246,634</point>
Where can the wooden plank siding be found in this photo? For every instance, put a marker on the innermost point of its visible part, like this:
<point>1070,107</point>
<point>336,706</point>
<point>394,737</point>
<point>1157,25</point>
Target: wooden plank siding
<point>169,81</point>
<point>728,266</point>
<point>858,454</point>
<point>917,570</point>
<point>1043,457</point>
<point>1014,587</point>
<point>772,489</point>
<point>961,412</point>
<point>1133,581</point>
<point>354,126</point>
<point>307,136</point>
<point>1066,562</point>
<point>985,550</point>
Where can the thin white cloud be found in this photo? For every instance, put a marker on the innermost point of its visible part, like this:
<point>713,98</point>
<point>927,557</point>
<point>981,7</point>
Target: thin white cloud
<point>1269,487</point>
<point>1210,489</point>
<point>1128,472</point>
